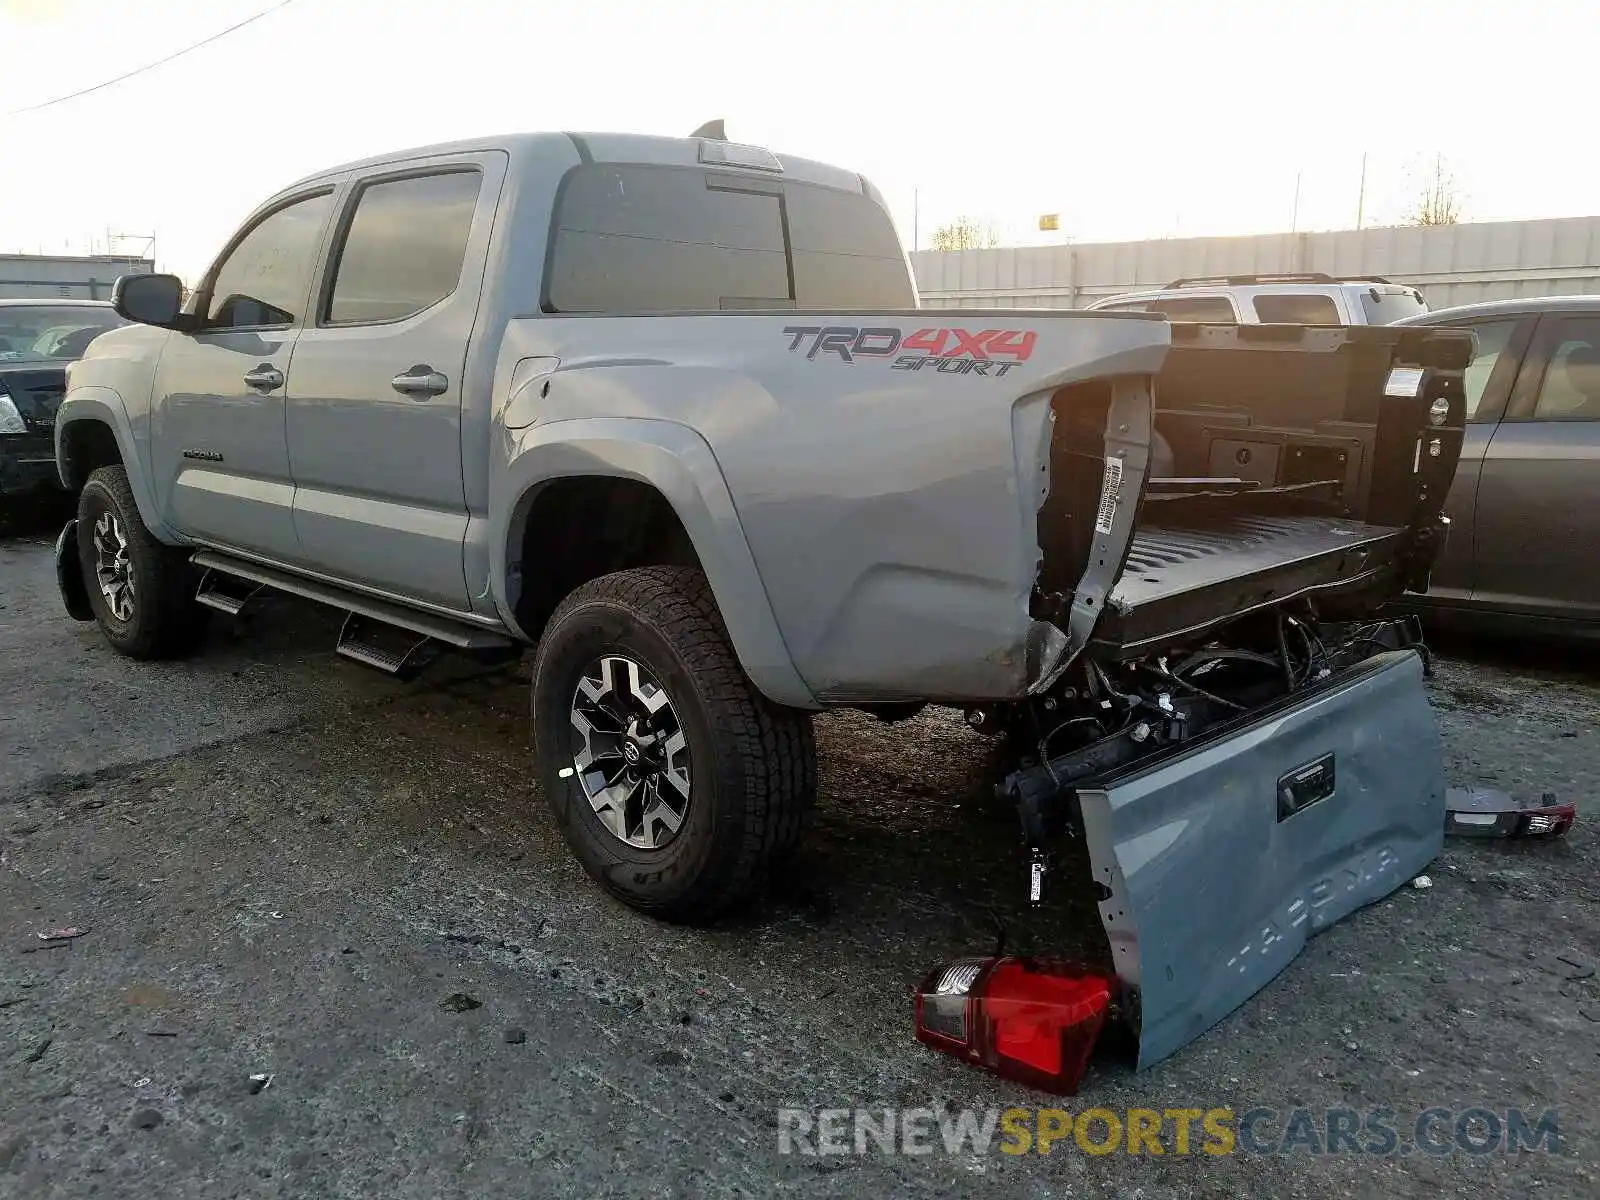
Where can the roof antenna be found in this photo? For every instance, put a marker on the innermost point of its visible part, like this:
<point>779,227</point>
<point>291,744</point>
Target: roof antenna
<point>712,130</point>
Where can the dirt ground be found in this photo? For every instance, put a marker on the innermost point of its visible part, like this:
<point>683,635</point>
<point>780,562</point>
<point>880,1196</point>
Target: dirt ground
<point>287,865</point>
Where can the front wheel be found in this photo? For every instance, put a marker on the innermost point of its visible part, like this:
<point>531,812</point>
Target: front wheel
<point>140,590</point>
<point>676,783</point>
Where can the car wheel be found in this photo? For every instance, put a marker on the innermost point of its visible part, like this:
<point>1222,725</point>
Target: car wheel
<point>676,783</point>
<point>141,590</point>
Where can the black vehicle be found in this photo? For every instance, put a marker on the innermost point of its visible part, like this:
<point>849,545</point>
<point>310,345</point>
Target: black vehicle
<point>1522,509</point>
<point>38,338</point>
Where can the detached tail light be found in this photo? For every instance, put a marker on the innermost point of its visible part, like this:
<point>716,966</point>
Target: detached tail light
<point>1486,812</point>
<point>1032,1020</point>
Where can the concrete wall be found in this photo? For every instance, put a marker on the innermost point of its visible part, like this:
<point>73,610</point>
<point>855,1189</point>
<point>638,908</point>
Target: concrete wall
<point>48,277</point>
<point>1452,264</point>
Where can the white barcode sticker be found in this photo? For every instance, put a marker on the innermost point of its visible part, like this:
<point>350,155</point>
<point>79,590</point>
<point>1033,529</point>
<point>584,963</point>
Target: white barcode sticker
<point>1110,494</point>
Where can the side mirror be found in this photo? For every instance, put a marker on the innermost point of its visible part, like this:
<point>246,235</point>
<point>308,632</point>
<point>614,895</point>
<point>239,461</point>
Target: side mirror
<point>149,299</point>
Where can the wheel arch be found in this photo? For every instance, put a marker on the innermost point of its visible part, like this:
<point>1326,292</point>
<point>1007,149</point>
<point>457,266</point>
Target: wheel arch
<point>663,464</point>
<point>93,430</point>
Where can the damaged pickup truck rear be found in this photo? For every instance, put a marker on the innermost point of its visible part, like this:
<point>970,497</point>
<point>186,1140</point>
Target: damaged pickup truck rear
<point>666,411</point>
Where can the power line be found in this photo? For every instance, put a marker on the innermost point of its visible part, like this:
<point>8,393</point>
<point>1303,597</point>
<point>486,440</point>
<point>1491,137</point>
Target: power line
<point>151,66</point>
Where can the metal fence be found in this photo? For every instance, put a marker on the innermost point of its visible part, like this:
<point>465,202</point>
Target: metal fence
<point>58,277</point>
<point>1451,264</point>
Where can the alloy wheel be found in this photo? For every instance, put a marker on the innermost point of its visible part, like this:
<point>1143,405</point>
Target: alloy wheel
<point>630,753</point>
<point>113,566</point>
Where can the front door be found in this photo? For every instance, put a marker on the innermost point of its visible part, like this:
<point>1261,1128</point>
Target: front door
<point>217,436</point>
<point>1540,492</point>
<point>374,400</point>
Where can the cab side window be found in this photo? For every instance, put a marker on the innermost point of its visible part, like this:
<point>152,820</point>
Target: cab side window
<point>263,280</point>
<point>404,248</point>
<point>1493,337</point>
<point>1297,308</point>
<point>1210,310</point>
<point>1571,387</point>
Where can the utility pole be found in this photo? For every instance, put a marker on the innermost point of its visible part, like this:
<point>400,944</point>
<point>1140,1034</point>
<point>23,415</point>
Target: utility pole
<point>916,214</point>
<point>1361,196</point>
<point>1294,221</point>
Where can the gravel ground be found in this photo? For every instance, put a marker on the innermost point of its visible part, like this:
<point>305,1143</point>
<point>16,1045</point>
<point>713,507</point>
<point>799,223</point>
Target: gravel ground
<point>291,866</point>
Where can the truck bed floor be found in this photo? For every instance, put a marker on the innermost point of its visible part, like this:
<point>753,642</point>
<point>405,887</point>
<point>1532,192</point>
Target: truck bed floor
<point>1181,578</point>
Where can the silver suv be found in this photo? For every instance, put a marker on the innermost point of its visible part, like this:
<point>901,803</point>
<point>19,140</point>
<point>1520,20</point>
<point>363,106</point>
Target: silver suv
<point>1308,299</point>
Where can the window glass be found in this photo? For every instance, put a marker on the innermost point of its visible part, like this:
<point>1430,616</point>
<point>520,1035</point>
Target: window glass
<point>1383,307</point>
<point>41,333</point>
<point>1296,308</point>
<point>652,239</point>
<point>1492,337</point>
<point>404,248</point>
<point>1214,310</point>
<point>1571,387</point>
<point>846,252</point>
<point>1130,306</point>
<point>263,280</point>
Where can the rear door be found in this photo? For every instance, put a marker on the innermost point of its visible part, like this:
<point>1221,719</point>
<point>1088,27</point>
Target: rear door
<point>1538,508</point>
<point>1501,343</point>
<point>374,401</point>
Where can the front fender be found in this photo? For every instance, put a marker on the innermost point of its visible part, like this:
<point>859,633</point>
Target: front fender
<point>678,463</point>
<point>102,404</point>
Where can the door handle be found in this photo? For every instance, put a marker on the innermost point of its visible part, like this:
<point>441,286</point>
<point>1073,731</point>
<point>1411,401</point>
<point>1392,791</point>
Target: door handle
<point>266,377</point>
<point>420,382</point>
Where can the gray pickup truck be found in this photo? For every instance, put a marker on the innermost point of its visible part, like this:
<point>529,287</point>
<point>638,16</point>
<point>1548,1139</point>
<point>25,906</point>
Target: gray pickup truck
<point>666,411</point>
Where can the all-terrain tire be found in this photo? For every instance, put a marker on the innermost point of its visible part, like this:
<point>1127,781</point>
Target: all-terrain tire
<point>158,617</point>
<point>751,763</point>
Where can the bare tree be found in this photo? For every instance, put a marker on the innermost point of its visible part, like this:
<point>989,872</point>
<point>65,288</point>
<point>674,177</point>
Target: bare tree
<point>966,233</point>
<point>1440,200</point>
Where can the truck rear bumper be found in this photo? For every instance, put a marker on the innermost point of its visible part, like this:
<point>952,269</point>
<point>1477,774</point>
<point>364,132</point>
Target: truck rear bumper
<point>1223,858</point>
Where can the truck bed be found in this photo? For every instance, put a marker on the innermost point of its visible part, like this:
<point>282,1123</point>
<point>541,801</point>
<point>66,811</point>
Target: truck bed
<point>1184,579</point>
<point>1260,466</point>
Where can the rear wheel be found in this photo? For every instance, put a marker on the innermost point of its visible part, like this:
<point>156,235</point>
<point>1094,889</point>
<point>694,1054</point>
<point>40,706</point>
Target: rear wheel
<point>141,590</point>
<point>676,783</point>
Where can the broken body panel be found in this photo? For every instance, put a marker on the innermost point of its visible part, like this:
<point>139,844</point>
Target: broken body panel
<point>1222,857</point>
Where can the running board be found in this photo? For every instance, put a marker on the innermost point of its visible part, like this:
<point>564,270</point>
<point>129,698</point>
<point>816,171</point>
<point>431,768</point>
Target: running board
<point>383,647</point>
<point>225,593</point>
<point>457,634</point>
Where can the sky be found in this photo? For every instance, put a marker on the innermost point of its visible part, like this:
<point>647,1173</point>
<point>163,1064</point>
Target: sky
<point>1129,119</point>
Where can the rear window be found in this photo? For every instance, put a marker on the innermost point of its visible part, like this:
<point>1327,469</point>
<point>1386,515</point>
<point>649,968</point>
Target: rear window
<point>638,238</point>
<point>1307,308</point>
<point>1383,307</point>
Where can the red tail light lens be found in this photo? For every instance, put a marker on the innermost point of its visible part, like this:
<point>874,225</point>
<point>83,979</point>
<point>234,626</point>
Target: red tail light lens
<point>1488,812</point>
<point>1551,821</point>
<point>1032,1020</point>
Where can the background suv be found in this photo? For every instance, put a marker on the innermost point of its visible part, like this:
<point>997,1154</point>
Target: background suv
<point>1311,299</point>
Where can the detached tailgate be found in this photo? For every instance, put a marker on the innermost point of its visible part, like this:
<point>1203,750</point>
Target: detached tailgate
<point>1223,858</point>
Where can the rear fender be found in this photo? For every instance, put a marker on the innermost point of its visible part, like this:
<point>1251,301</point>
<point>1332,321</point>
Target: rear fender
<point>677,462</point>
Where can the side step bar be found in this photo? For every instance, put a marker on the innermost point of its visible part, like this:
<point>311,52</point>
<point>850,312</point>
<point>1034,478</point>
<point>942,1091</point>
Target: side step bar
<point>402,653</point>
<point>225,593</point>
<point>220,588</point>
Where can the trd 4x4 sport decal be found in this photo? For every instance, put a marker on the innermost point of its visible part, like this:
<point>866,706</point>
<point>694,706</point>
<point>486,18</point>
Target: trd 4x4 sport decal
<point>948,351</point>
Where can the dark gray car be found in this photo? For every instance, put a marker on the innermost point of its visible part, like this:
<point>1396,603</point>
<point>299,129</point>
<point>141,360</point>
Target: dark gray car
<point>38,338</point>
<point>1525,505</point>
